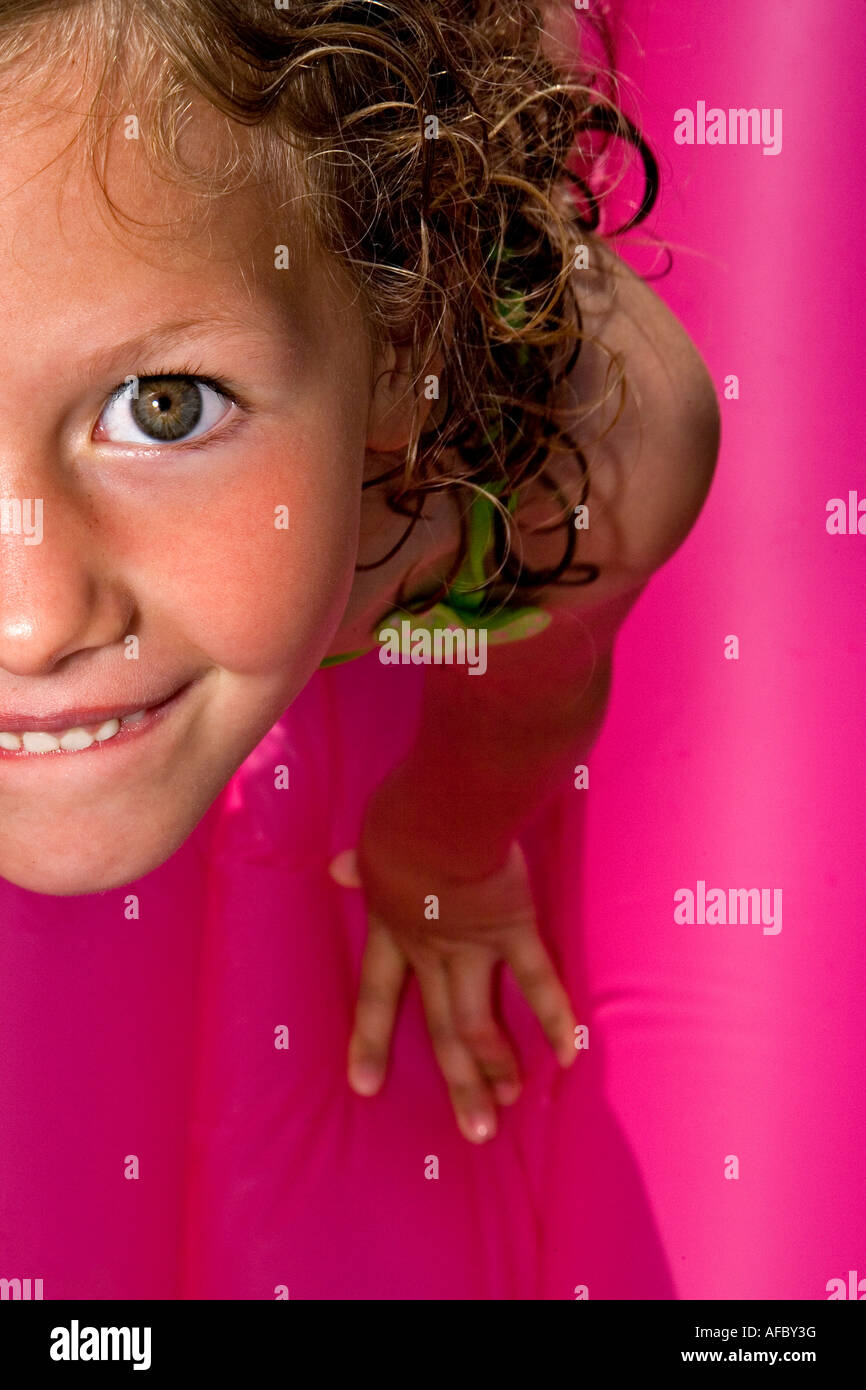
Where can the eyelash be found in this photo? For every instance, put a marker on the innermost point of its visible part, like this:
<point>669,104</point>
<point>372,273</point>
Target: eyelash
<point>188,373</point>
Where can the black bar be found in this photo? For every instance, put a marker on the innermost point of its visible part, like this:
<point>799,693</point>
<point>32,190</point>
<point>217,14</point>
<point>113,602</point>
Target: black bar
<point>223,1338</point>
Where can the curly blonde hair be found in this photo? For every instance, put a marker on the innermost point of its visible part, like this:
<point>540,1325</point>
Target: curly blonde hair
<point>445,158</point>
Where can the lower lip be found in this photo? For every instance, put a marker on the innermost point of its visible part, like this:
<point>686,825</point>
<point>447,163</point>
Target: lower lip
<point>127,733</point>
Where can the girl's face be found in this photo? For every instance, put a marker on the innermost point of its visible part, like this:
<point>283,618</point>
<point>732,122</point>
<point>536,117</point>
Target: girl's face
<point>164,567</point>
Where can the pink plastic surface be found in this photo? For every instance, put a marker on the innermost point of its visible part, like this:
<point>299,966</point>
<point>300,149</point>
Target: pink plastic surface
<point>259,1168</point>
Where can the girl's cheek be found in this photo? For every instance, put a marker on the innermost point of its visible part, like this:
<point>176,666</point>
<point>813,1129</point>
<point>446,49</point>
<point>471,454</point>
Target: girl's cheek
<point>254,569</point>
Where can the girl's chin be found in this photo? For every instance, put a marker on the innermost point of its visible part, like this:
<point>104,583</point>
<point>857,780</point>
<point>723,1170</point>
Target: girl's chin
<point>74,873</point>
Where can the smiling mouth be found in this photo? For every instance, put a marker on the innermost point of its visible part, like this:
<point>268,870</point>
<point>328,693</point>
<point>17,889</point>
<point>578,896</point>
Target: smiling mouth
<point>78,737</point>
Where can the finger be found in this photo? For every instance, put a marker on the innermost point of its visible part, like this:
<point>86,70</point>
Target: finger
<point>343,869</point>
<point>541,988</point>
<point>470,1095</point>
<point>470,982</point>
<point>382,970</point>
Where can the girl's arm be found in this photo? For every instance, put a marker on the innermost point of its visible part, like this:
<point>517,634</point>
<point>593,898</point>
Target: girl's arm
<point>445,881</point>
<point>446,885</point>
<point>492,748</point>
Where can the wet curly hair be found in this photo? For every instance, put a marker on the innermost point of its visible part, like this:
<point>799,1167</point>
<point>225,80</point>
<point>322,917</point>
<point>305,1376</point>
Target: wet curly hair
<point>447,160</point>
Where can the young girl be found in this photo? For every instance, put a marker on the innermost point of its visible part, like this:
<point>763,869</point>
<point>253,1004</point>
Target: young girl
<point>309,332</point>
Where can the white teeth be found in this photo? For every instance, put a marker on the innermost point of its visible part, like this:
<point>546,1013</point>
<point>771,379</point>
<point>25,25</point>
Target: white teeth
<point>72,741</point>
<point>40,743</point>
<point>75,740</point>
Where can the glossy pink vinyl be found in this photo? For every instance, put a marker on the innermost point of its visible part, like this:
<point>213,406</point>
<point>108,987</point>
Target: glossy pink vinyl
<point>154,1036</point>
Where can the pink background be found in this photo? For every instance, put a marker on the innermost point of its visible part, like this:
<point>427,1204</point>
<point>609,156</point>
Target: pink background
<point>722,1040</point>
<point>259,1168</point>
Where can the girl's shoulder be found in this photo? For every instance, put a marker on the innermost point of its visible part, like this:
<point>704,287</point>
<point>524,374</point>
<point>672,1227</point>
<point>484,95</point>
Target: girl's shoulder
<point>649,429</point>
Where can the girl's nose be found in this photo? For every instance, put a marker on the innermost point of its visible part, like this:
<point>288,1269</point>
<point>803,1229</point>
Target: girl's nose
<point>56,597</point>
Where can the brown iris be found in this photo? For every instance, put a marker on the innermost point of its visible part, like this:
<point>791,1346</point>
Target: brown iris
<point>167,407</point>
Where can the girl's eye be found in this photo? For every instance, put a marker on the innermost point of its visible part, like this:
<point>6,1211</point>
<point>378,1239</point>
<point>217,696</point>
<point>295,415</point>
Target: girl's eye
<point>162,410</point>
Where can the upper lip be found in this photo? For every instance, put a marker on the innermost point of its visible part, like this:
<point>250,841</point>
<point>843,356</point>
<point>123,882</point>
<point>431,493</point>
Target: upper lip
<point>74,718</point>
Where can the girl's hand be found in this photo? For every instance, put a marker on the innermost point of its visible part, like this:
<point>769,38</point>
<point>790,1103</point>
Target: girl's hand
<point>484,917</point>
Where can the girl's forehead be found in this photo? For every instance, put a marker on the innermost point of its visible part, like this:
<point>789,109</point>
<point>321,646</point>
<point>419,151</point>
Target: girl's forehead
<point>46,148</point>
<point>95,288</point>
<point>97,247</point>
<point>62,235</point>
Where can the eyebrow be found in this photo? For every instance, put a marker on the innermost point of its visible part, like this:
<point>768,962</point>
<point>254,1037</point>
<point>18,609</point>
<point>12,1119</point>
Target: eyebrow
<point>161,337</point>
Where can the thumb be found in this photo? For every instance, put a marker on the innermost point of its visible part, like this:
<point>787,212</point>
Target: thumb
<point>344,869</point>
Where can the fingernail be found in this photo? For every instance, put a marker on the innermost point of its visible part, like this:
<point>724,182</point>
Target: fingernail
<point>366,1078</point>
<point>480,1127</point>
<point>506,1092</point>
